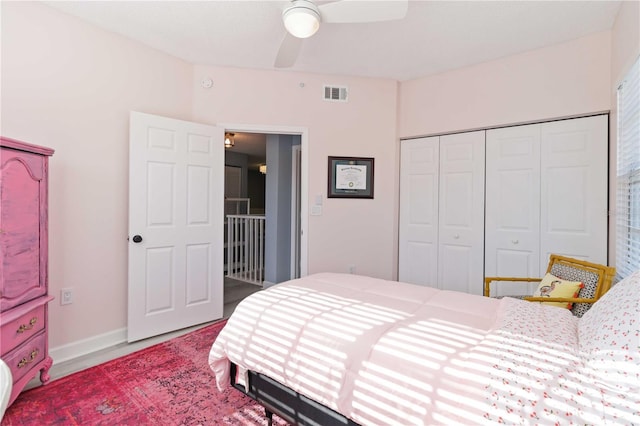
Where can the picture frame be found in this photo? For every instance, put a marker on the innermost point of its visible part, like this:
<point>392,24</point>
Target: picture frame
<point>350,177</point>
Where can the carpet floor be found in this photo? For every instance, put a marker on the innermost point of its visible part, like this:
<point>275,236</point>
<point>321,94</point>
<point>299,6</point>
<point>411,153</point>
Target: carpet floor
<point>166,384</point>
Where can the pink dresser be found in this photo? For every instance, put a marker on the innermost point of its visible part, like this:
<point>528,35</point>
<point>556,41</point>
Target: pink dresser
<point>23,261</point>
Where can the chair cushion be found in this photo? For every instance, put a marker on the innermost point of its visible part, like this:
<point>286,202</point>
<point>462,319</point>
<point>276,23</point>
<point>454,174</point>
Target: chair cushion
<point>552,286</point>
<point>588,278</point>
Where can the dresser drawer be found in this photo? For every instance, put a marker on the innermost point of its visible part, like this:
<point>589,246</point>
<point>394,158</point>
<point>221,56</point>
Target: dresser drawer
<point>24,357</point>
<point>21,329</point>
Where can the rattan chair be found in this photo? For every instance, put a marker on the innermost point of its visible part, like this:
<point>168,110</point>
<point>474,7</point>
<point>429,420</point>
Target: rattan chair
<point>596,278</point>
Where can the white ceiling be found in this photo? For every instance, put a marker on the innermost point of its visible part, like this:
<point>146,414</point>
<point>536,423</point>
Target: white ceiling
<point>434,37</point>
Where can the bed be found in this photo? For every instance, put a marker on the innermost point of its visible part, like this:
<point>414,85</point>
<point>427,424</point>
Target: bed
<point>353,350</point>
<point>6,383</point>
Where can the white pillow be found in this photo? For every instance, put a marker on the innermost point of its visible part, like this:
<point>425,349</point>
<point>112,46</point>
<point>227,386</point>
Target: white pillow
<point>609,336</point>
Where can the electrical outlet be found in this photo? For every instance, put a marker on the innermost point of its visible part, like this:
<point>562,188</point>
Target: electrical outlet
<point>66,296</point>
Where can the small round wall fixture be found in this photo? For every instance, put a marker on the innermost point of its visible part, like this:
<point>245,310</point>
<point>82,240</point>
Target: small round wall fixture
<point>206,83</point>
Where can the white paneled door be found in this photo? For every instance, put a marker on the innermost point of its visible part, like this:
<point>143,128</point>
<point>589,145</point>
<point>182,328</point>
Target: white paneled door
<point>461,218</point>
<point>442,212</point>
<point>512,246</point>
<point>176,193</point>
<point>418,231</point>
<point>573,212</point>
<point>546,188</point>
<point>499,202</point>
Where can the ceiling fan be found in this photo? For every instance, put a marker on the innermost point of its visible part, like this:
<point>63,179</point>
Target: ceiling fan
<point>302,19</point>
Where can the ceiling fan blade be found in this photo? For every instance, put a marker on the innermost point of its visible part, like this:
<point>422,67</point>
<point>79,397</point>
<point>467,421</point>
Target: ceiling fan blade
<point>288,53</point>
<point>357,11</point>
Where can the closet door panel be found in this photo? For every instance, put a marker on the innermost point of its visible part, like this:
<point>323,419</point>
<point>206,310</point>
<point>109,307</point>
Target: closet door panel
<point>418,231</point>
<point>420,264</point>
<point>512,225</point>
<point>512,263</point>
<point>574,189</point>
<point>423,212</point>
<point>461,212</point>
<point>455,272</point>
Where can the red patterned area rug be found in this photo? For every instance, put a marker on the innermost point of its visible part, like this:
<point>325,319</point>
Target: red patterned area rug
<point>166,384</point>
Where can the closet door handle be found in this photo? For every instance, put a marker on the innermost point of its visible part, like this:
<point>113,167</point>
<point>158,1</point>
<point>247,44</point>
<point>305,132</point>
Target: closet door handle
<point>137,239</point>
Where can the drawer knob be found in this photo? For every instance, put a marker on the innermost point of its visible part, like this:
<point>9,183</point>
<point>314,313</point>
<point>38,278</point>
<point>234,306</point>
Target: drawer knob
<point>25,327</point>
<point>32,357</point>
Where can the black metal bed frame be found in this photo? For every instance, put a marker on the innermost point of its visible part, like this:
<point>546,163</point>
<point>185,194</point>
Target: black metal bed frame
<point>292,406</point>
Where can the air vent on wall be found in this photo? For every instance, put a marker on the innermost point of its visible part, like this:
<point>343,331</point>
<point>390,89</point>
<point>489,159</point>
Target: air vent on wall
<point>335,93</point>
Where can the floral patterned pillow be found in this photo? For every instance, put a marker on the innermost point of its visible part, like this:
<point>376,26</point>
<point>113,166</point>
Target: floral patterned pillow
<point>609,336</point>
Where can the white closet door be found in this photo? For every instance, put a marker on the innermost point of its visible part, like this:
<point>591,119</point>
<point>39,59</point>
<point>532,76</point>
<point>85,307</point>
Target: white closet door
<point>461,212</point>
<point>512,245</point>
<point>418,229</point>
<point>574,189</point>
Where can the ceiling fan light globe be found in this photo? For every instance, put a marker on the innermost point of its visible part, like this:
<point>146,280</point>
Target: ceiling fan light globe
<point>300,21</point>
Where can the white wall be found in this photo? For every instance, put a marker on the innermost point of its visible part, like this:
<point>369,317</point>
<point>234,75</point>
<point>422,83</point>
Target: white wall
<point>562,80</point>
<point>70,86</point>
<point>625,46</point>
<point>349,231</point>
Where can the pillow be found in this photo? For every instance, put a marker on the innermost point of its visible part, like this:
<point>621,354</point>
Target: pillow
<point>588,278</point>
<point>552,286</point>
<point>609,336</point>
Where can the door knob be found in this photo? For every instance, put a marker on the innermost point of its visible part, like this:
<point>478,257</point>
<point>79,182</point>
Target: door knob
<point>137,238</point>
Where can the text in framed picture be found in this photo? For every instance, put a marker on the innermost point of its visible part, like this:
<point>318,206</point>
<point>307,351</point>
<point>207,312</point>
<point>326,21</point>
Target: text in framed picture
<point>350,177</point>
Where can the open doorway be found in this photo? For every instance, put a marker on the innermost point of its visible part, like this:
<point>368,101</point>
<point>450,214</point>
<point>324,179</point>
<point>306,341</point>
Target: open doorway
<point>263,223</point>
<point>244,197</point>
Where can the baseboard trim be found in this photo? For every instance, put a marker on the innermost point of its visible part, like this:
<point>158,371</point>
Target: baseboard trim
<point>87,346</point>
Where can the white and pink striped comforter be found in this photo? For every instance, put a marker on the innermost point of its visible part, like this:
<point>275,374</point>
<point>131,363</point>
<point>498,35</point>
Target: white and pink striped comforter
<point>384,353</point>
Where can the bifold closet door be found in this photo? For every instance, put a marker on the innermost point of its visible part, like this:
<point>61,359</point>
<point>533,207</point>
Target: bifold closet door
<point>512,203</point>
<point>442,212</point>
<point>546,192</point>
<point>574,183</point>
<point>418,224</point>
<point>461,212</point>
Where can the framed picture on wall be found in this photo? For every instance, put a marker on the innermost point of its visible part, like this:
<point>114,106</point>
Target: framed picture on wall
<point>350,177</point>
